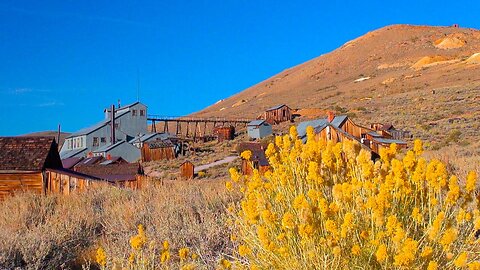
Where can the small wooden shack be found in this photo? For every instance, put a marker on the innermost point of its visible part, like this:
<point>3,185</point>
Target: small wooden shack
<point>33,164</point>
<point>128,175</point>
<point>258,160</point>
<point>258,129</point>
<point>278,114</point>
<point>224,133</point>
<point>187,170</point>
<point>158,150</point>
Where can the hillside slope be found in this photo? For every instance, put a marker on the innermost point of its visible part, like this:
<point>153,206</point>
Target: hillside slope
<point>421,78</point>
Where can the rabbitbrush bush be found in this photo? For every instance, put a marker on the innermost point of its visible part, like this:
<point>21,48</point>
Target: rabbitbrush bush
<point>329,206</point>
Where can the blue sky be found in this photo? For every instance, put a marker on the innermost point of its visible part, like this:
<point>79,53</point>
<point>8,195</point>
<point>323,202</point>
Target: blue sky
<point>64,61</point>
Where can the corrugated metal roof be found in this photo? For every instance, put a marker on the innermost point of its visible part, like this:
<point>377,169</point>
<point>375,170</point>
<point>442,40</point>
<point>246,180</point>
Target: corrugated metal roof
<point>374,134</point>
<point>71,153</point>
<point>256,122</point>
<point>88,130</point>
<point>109,147</point>
<point>160,144</point>
<point>145,137</point>
<point>388,141</point>
<point>319,124</point>
<point>275,107</point>
<point>28,153</point>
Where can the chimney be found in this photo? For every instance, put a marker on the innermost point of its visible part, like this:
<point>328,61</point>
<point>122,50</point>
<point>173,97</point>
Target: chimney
<point>90,154</point>
<point>330,116</point>
<point>119,103</point>
<point>109,157</point>
<point>58,136</point>
<point>112,123</point>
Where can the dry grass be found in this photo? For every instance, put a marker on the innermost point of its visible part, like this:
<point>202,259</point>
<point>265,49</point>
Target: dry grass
<point>53,232</point>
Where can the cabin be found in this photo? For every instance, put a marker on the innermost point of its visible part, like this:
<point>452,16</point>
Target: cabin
<point>158,150</point>
<point>224,133</point>
<point>125,175</point>
<point>120,124</point>
<point>259,129</point>
<point>278,114</point>
<point>258,160</point>
<point>33,164</point>
<point>187,170</point>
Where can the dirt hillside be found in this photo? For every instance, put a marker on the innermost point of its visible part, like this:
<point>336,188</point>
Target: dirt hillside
<point>421,78</point>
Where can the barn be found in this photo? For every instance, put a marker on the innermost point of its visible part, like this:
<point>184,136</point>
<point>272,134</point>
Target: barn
<point>259,129</point>
<point>158,150</point>
<point>278,114</point>
<point>33,164</point>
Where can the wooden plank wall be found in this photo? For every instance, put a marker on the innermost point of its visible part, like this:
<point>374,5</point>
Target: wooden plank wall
<point>277,116</point>
<point>12,182</point>
<point>66,184</point>
<point>187,170</point>
<point>164,153</point>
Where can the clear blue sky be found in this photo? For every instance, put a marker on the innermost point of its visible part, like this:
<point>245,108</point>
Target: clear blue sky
<point>64,61</point>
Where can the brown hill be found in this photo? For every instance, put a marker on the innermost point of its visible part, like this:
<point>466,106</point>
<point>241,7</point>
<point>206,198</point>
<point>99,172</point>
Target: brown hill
<point>63,135</point>
<point>415,77</point>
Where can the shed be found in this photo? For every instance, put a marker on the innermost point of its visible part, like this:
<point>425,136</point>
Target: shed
<point>259,129</point>
<point>187,170</point>
<point>33,164</point>
<point>224,133</point>
<point>278,114</point>
<point>258,160</point>
<point>158,150</point>
<point>129,175</point>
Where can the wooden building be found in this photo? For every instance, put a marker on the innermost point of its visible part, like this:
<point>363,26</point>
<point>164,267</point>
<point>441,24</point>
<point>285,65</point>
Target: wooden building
<point>338,128</point>
<point>128,175</point>
<point>33,164</point>
<point>158,150</point>
<point>258,160</point>
<point>224,133</point>
<point>187,170</point>
<point>278,114</point>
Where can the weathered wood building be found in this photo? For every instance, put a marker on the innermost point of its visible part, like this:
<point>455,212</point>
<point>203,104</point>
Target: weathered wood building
<point>258,160</point>
<point>129,175</point>
<point>278,114</point>
<point>339,128</point>
<point>158,150</point>
<point>224,133</point>
<point>187,170</point>
<point>33,164</point>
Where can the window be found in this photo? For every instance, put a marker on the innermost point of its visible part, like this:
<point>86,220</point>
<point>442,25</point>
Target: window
<point>70,144</point>
<point>103,140</point>
<point>81,142</point>
<point>95,141</point>
<point>142,112</point>
<point>134,112</point>
<point>116,125</point>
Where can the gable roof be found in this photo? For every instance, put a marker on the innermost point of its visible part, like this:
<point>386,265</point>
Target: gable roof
<point>276,107</point>
<point>256,123</point>
<point>68,163</point>
<point>28,153</point>
<point>319,124</point>
<point>95,127</point>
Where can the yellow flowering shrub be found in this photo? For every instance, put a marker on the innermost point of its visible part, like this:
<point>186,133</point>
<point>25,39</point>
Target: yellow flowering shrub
<point>145,254</point>
<point>329,206</point>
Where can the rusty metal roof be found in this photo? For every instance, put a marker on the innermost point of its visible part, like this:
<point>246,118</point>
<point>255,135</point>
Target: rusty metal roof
<point>28,153</point>
<point>159,144</point>
<point>112,172</point>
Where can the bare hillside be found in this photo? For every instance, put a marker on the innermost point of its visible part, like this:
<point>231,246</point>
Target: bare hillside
<point>421,78</point>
